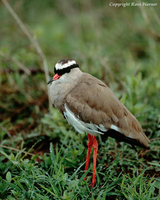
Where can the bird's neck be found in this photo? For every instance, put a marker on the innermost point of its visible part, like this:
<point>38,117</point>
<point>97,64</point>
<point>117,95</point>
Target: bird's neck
<point>71,77</point>
<point>61,87</point>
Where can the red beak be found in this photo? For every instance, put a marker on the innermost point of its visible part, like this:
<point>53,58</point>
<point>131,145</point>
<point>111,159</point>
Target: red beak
<point>55,77</point>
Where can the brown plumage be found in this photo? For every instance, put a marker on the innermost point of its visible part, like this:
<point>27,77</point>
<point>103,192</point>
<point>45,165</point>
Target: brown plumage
<point>90,106</point>
<point>93,102</point>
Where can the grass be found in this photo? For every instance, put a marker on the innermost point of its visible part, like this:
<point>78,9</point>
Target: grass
<point>42,157</point>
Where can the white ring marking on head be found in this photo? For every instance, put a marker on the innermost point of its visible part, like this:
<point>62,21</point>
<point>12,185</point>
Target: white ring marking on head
<point>60,66</point>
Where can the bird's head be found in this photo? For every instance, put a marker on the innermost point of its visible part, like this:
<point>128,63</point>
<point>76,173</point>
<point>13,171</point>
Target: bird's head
<point>62,67</point>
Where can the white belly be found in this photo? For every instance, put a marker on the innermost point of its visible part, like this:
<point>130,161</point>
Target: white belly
<point>81,126</point>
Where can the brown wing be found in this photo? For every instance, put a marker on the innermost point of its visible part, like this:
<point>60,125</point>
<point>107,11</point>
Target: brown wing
<point>93,102</point>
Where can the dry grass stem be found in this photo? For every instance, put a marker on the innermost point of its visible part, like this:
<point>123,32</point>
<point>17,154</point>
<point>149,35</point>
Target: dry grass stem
<point>146,18</point>
<point>19,64</point>
<point>155,15</point>
<point>11,148</point>
<point>32,40</point>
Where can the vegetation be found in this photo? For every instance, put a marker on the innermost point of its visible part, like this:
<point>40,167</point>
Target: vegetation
<point>41,156</point>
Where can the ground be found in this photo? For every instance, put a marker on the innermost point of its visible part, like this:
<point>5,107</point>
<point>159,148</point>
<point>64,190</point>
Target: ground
<point>42,157</point>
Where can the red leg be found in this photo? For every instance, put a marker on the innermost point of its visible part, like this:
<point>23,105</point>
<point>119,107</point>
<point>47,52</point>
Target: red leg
<point>90,145</point>
<point>95,149</point>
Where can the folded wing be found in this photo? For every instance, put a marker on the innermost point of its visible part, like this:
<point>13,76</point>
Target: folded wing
<point>92,102</point>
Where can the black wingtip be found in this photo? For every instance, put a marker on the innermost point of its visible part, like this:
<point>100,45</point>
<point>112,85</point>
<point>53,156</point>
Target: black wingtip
<point>120,137</point>
<point>147,148</point>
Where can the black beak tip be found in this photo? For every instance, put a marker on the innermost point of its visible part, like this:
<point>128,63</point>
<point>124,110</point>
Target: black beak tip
<point>50,81</point>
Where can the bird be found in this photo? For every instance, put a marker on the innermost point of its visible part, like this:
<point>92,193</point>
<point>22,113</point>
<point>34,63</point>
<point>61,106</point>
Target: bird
<point>91,107</point>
